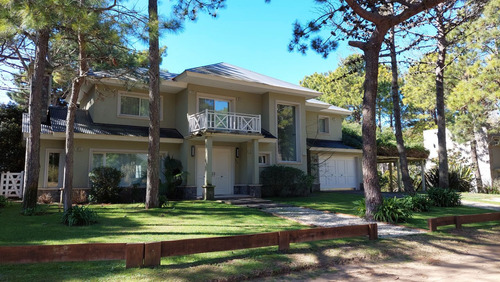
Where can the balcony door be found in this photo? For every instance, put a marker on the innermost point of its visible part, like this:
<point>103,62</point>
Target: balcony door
<point>220,109</point>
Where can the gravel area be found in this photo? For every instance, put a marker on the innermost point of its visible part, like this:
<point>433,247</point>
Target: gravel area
<point>481,205</point>
<point>326,219</point>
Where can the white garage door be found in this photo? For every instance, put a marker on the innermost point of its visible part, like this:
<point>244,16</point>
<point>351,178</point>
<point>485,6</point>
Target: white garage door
<point>337,172</point>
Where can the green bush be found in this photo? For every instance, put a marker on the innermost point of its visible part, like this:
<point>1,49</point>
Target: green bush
<point>360,207</point>
<point>459,177</point>
<point>393,210</point>
<point>105,181</point>
<point>79,215</point>
<point>444,197</point>
<point>3,201</point>
<point>283,181</point>
<point>174,174</point>
<point>37,210</point>
<point>418,203</point>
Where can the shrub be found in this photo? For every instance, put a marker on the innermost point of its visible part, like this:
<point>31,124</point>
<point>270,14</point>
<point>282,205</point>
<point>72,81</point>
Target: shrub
<point>418,203</point>
<point>444,197</point>
<point>493,189</point>
<point>45,198</point>
<point>393,210</point>
<point>163,201</point>
<point>3,201</point>
<point>79,215</point>
<point>37,210</point>
<point>173,176</point>
<point>459,177</point>
<point>105,181</point>
<point>360,207</point>
<point>283,181</point>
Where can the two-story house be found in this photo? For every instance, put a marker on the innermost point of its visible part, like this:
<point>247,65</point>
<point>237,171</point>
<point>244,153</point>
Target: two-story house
<point>223,122</point>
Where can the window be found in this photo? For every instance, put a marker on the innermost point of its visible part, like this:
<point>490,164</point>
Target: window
<point>219,106</point>
<point>134,106</point>
<point>287,133</point>
<point>132,165</point>
<point>54,171</point>
<point>264,159</point>
<point>323,125</point>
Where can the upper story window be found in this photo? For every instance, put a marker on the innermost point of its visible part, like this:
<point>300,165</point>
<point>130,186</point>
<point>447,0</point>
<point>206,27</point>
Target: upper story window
<point>135,106</point>
<point>323,125</point>
<point>216,105</point>
<point>287,133</point>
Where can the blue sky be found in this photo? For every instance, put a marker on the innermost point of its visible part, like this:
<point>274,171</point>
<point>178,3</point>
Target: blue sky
<point>247,33</point>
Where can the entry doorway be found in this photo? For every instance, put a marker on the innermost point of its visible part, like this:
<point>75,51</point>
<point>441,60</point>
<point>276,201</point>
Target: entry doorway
<point>222,170</point>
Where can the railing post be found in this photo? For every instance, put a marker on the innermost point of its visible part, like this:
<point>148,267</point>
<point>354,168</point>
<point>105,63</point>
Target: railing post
<point>373,231</point>
<point>152,254</point>
<point>458,223</point>
<point>134,255</point>
<point>432,222</point>
<point>283,240</point>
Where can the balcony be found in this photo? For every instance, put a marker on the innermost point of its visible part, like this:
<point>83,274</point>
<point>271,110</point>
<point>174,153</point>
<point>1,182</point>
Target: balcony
<point>224,122</point>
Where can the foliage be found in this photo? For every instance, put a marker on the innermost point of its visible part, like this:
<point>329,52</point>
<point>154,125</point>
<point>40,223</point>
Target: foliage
<point>79,215</point>
<point>351,134</point>
<point>393,210</point>
<point>45,198</point>
<point>460,178</point>
<point>418,202</point>
<point>11,142</point>
<point>284,181</point>
<point>494,188</point>
<point>104,181</point>
<point>3,201</point>
<point>163,201</point>
<point>174,174</point>
<point>444,197</point>
<point>36,210</point>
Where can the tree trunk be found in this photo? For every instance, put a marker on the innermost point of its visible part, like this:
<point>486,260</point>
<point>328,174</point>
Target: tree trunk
<point>408,185</point>
<point>32,164</point>
<point>475,164</point>
<point>70,122</point>
<point>373,197</point>
<point>440,107</point>
<point>153,174</point>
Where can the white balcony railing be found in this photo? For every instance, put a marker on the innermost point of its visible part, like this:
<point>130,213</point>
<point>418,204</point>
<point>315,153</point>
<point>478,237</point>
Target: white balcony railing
<point>210,120</point>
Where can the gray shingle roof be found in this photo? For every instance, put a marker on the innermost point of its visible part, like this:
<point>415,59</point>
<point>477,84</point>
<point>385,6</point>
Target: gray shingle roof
<point>234,72</point>
<point>327,144</point>
<point>85,125</point>
<point>131,74</point>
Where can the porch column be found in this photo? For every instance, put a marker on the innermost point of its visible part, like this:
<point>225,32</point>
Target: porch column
<point>391,185</point>
<point>422,166</point>
<point>255,161</point>
<point>208,188</point>
<point>398,169</point>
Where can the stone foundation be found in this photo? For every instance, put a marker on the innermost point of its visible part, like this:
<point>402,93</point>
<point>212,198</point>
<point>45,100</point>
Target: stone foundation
<point>185,193</point>
<point>254,190</point>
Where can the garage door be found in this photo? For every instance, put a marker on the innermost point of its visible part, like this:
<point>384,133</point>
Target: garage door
<point>337,172</point>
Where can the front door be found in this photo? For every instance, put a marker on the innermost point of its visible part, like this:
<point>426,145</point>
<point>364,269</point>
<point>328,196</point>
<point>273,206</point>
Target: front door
<point>222,170</point>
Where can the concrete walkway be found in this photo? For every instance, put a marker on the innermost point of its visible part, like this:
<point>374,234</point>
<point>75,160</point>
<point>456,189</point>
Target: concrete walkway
<point>320,218</point>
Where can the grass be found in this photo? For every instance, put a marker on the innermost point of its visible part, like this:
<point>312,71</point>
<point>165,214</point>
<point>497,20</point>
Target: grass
<point>128,223</point>
<point>493,199</point>
<point>339,202</point>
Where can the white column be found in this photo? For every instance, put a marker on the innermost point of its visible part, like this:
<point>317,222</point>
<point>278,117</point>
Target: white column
<point>398,169</point>
<point>255,161</point>
<point>422,166</point>
<point>208,160</point>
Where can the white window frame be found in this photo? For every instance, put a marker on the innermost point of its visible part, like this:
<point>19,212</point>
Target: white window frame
<point>135,95</point>
<point>267,155</point>
<point>298,130</point>
<point>231,100</point>
<point>327,124</point>
<point>104,151</point>
<point>62,153</point>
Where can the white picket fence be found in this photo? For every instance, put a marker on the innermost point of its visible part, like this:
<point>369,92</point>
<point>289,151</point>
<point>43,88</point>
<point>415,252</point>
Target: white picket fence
<point>11,184</point>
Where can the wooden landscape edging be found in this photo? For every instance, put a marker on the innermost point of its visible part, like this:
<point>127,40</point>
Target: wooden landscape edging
<point>150,254</point>
<point>458,220</point>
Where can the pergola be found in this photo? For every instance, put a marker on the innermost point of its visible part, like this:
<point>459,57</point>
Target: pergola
<point>390,155</point>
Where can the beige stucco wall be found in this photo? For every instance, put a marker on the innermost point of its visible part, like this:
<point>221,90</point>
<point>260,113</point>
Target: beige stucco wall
<point>334,124</point>
<point>495,162</point>
<point>83,151</point>
<point>102,104</point>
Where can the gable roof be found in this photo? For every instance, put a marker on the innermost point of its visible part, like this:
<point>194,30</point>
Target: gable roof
<point>84,124</point>
<point>228,71</point>
<point>321,106</point>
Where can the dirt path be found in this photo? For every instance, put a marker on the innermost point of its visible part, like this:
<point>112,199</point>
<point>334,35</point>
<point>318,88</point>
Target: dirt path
<point>466,255</point>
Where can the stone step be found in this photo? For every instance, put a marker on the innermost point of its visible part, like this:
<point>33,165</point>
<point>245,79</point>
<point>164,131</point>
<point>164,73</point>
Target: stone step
<point>246,201</point>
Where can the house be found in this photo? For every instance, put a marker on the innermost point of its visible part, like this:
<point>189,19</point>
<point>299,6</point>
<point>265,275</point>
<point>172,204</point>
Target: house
<point>488,152</point>
<point>223,122</point>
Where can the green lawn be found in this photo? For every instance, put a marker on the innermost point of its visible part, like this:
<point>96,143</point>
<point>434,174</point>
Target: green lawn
<point>344,203</point>
<point>129,223</point>
<point>493,199</point>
